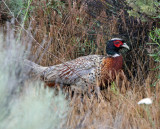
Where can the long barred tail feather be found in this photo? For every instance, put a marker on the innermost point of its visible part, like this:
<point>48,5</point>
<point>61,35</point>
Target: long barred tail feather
<point>34,68</point>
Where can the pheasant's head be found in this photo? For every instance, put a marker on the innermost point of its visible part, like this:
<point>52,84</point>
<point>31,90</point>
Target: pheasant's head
<point>114,45</point>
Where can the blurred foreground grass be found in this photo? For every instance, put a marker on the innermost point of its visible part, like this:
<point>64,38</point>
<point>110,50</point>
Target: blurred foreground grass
<point>25,104</point>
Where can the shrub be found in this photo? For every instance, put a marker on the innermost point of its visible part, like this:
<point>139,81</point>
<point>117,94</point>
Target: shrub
<point>25,104</point>
<point>155,37</point>
<point>144,9</point>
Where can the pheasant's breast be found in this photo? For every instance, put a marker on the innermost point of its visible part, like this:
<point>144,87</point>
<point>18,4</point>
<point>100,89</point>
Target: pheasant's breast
<point>110,67</point>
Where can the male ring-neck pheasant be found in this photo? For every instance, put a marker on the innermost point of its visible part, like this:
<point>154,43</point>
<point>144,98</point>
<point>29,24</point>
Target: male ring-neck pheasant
<point>86,70</point>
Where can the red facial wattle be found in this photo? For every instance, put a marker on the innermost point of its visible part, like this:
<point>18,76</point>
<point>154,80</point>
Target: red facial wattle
<point>117,43</point>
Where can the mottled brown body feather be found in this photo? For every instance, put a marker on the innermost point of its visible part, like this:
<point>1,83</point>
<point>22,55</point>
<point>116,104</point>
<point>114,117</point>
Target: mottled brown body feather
<point>106,70</point>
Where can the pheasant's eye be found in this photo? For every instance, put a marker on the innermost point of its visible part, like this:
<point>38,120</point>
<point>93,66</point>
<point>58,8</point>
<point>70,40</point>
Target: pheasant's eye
<point>117,43</point>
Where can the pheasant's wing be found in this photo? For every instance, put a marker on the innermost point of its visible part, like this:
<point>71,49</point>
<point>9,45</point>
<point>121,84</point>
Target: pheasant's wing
<point>70,72</point>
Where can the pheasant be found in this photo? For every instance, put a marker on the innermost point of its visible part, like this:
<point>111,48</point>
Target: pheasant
<point>86,70</point>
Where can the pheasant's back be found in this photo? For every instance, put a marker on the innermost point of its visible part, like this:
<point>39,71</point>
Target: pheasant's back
<point>76,71</point>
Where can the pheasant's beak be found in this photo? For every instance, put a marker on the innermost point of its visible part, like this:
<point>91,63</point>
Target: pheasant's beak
<point>125,46</point>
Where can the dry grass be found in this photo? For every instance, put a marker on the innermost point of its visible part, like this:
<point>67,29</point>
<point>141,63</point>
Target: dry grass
<point>114,109</point>
<point>62,34</point>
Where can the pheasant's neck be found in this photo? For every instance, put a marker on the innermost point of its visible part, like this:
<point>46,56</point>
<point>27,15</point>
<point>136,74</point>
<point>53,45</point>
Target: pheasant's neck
<point>115,55</point>
<point>114,52</point>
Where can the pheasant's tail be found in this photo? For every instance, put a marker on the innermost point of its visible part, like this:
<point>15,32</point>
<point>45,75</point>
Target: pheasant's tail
<point>34,68</point>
